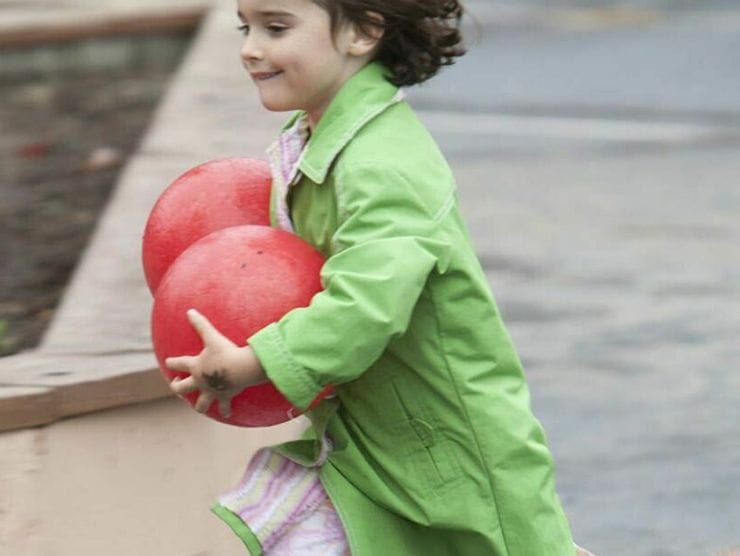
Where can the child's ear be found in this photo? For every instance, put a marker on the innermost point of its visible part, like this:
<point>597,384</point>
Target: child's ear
<point>366,38</point>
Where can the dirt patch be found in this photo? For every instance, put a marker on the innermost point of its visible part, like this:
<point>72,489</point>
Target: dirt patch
<point>62,146</point>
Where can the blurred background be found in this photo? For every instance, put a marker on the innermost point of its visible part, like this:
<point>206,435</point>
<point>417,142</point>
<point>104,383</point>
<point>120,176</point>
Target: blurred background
<point>78,85</point>
<point>597,150</point>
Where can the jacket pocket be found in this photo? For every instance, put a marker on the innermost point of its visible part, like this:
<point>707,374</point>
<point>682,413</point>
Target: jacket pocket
<point>431,455</point>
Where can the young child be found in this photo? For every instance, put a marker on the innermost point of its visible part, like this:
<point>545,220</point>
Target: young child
<point>429,446</point>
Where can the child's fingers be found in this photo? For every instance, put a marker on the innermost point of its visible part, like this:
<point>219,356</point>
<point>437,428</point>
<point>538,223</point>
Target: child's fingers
<point>204,328</point>
<point>182,386</point>
<point>204,402</point>
<point>184,363</point>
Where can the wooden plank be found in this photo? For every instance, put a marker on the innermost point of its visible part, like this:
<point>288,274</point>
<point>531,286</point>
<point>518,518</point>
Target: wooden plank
<point>40,388</point>
<point>25,406</point>
<point>126,388</point>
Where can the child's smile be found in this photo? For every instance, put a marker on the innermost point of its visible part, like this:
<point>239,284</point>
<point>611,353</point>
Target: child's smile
<point>292,57</point>
<point>264,76</point>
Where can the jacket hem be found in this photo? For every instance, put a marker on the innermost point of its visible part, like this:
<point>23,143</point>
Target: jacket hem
<point>348,531</point>
<point>240,528</point>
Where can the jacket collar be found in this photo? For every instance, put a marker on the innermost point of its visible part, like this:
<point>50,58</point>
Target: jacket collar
<point>365,95</point>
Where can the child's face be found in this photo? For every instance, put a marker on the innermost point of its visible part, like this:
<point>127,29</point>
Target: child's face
<point>289,52</point>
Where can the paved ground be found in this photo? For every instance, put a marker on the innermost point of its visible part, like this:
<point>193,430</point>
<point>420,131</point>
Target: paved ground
<point>605,210</point>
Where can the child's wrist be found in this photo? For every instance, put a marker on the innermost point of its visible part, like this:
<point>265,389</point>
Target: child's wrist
<point>250,367</point>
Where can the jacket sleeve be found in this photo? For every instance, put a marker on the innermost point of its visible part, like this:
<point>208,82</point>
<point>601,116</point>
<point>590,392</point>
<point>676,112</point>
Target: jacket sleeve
<point>384,248</point>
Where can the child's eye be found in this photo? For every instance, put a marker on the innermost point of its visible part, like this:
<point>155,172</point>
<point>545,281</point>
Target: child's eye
<point>273,29</point>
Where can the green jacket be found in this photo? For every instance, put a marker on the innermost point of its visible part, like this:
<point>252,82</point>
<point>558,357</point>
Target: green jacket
<point>435,449</point>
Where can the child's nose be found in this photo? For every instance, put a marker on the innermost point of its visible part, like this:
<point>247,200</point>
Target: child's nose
<point>250,50</point>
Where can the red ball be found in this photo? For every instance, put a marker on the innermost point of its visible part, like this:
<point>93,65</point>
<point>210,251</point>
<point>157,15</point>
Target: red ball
<point>242,279</point>
<point>209,197</point>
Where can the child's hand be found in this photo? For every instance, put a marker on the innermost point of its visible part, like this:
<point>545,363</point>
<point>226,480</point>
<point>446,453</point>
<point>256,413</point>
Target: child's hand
<point>220,371</point>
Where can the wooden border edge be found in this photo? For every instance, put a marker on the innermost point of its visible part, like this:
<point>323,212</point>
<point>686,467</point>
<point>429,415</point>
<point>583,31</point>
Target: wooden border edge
<point>26,402</point>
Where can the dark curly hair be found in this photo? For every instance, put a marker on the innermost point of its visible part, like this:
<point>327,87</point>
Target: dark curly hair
<point>420,36</point>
